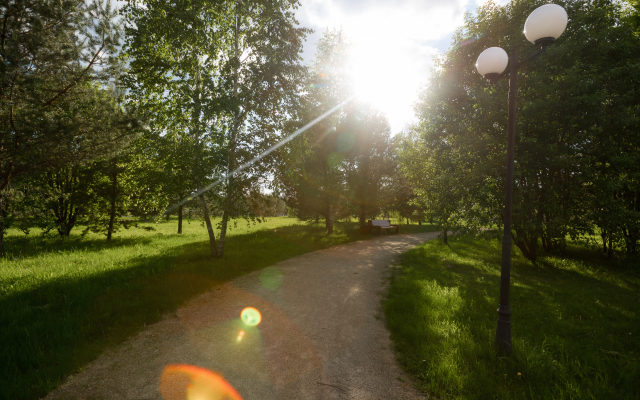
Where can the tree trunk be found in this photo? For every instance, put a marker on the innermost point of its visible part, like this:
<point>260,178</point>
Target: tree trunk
<point>68,219</point>
<point>528,244</point>
<point>180,219</point>
<point>232,143</point>
<point>207,221</point>
<point>445,238</point>
<point>610,252</point>
<point>630,239</point>
<point>363,216</point>
<point>168,217</point>
<point>223,232</point>
<point>546,243</point>
<point>1,228</point>
<point>533,248</point>
<point>329,219</point>
<point>603,235</point>
<point>420,223</point>
<point>65,181</point>
<point>317,218</point>
<point>114,187</point>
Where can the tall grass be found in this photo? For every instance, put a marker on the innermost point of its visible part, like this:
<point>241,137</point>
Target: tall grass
<point>575,323</point>
<point>63,301</point>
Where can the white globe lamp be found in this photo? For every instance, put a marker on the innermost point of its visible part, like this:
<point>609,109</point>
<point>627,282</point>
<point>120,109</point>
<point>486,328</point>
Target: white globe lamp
<point>545,24</point>
<point>492,62</point>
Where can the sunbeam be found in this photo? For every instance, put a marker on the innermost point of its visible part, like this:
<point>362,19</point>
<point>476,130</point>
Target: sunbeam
<point>258,157</point>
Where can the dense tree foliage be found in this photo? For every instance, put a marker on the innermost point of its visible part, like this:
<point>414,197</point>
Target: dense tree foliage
<point>222,82</point>
<point>313,174</point>
<point>221,97</point>
<point>366,142</point>
<point>340,165</point>
<point>57,110</point>
<point>578,130</point>
<point>431,187</point>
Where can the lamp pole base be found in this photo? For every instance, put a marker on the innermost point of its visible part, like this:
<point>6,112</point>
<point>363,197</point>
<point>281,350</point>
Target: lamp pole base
<point>503,331</point>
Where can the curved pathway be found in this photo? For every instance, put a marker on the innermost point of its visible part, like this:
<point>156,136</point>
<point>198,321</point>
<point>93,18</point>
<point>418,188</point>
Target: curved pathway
<point>322,334</point>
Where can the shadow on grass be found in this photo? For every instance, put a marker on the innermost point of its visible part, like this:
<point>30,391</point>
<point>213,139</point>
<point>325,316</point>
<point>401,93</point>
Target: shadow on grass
<point>61,324</point>
<point>25,247</point>
<point>574,335</point>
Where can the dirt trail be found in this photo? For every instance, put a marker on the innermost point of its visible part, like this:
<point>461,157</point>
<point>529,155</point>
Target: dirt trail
<point>322,334</point>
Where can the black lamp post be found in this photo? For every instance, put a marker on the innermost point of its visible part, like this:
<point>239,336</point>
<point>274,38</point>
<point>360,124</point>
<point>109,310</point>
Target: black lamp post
<point>543,26</point>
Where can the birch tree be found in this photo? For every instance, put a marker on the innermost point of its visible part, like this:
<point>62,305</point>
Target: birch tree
<point>220,76</point>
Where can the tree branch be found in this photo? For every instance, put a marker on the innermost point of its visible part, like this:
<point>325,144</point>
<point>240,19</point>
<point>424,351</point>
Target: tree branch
<point>72,84</point>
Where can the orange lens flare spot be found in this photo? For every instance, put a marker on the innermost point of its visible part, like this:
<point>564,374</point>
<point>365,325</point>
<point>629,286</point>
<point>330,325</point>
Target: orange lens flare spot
<point>251,316</point>
<point>188,382</point>
<point>240,335</point>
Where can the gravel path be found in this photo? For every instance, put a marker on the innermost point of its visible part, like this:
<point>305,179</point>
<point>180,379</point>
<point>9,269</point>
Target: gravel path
<point>322,334</point>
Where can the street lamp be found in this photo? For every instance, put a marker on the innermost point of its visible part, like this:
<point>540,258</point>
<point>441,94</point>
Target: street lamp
<point>543,26</point>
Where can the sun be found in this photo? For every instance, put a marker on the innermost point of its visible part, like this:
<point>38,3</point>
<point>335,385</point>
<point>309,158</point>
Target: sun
<point>382,79</point>
<point>394,44</point>
<point>387,71</point>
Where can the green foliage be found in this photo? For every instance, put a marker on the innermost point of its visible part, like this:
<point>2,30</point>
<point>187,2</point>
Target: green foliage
<point>221,97</point>
<point>339,166</point>
<point>634,14</point>
<point>370,161</point>
<point>52,111</point>
<point>85,194</point>
<point>59,104</point>
<point>312,174</point>
<point>59,198</point>
<point>433,185</point>
<point>577,135</point>
<point>575,323</point>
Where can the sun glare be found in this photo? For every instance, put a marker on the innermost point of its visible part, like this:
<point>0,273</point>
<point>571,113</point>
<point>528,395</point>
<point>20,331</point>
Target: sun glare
<point>388,66</point>
<point>381,78</point>
<point>390,57</point>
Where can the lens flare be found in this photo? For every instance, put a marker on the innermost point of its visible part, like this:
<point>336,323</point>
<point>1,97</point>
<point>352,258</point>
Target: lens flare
<point>179,381</point>
<point>335,160</point>
<point>346,140</point>
<point>271,278</point>
<point>240,336</point>
<point>251,316</point>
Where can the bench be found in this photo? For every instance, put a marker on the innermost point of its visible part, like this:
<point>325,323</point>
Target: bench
<point>380,224</point>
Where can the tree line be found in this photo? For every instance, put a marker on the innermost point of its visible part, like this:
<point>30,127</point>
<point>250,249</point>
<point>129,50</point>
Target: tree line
<point>136,111</point>
<point>577,151</point>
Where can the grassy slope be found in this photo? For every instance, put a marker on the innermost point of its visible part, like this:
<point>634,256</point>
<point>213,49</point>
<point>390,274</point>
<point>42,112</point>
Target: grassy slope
<point>62,302</point>
<point>576,323</point>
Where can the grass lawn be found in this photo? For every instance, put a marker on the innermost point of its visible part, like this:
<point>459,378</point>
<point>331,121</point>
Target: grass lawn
<point>63,301</point>
<point>575,323</point>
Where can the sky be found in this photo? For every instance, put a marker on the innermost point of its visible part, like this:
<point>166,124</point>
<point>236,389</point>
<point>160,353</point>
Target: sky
<point>394,44</point>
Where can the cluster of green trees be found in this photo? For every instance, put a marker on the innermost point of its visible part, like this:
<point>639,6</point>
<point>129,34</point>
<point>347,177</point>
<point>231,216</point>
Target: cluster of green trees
<point>106,113</point>
<point>577,156</point>
<point>59,108</point>
<point>217,79</point>
<point>150,109</point>
<point>345,164</point>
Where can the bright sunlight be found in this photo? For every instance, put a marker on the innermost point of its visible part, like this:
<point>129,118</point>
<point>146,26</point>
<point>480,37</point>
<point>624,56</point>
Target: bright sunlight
<point>393,48</point>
